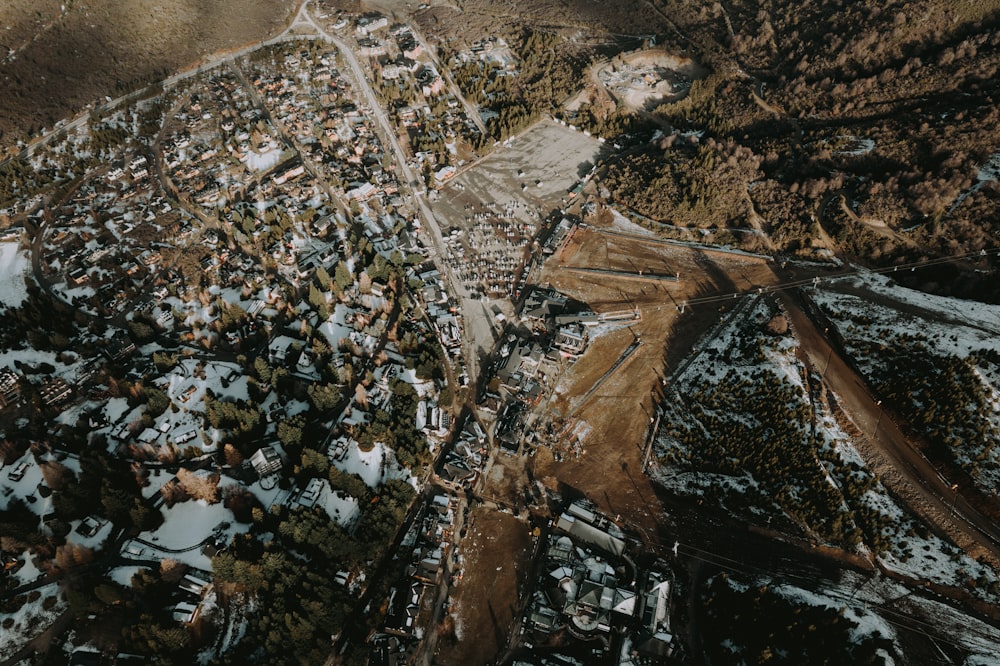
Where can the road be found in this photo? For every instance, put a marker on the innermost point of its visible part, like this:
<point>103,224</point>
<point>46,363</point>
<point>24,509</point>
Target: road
<point>938,502</point>
<point>473,310</point>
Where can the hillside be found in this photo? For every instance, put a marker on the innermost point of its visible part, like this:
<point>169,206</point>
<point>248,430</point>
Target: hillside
<point>60,56</point>
<point>867,130</point>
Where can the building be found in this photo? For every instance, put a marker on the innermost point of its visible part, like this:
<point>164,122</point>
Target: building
<point>369,24</point>
<point>266,461</point>
<point>55,391</point>
<point>571,338</point>
<point>10,387</point>
<point>119,347</point>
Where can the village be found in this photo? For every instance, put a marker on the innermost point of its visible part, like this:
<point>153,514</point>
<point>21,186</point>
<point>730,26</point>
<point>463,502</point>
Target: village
<point>253,328</point>
<point>331,348</point>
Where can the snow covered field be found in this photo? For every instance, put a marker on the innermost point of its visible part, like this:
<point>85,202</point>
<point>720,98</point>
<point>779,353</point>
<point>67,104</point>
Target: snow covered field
<point>950,349</point>
<point>35,615</point>
<point>14,265</point>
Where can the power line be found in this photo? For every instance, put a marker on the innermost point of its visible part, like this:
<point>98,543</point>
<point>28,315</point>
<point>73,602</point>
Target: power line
<point>912,266</point>
<point>901,620</point>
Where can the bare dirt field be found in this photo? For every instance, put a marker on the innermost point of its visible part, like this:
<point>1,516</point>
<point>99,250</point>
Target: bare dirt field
<point>497,553</point>
<point>545,161</point>
<point>645,79</point>
<point>616,417</point>
<point>63,54</point>
<point>547,153</point>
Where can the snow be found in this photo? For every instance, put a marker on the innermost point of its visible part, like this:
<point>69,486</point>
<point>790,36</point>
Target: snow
<point>944,326</point>
<point>268,496</point>
<point>30,620</point>
<point>186,527</point>
<point>262,161</point>
<point>14,264</point>
<point>94,542</point>
<point>115,408</point>
<point>856,146</point>
<point>975,315</point>
<point>335,328</point>
<point>123,575</point>
<point>869,624</point>
<point>28,573</point>
<point>374,467</point>
<point>26,488</point>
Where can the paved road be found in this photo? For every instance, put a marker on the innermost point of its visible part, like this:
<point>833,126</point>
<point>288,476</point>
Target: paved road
<point>473,311</point>
<point>939,505</point>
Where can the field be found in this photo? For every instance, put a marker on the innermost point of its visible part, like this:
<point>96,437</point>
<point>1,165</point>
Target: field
<point>496,554</point>
<point>475,19</point>
<point>65,55</point>
<point>615,418</point>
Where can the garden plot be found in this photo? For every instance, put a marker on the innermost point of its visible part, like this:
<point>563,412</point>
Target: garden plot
<point>747,427</point>
<point>934,360</point>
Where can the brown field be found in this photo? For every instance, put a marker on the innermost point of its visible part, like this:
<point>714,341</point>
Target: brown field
<point>609,468</point>
<point>497,552</point>
<point>65,54</point>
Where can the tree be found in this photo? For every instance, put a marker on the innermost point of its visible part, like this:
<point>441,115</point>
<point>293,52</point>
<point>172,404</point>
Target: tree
<point>323,277</point>
<point>324,397</point>
<point>342,277</point>
<point>200,487</point>
<point>290,432</point>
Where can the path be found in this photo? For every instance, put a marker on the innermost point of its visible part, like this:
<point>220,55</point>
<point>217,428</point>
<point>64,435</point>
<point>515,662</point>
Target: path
<point>915,478</point>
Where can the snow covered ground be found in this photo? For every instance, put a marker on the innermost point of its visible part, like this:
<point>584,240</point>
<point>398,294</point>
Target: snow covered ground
<point>374,467</point>
<point>14,265</point>
<point>905,545</point>
<point>186,527</point>
<point>31,619</point>
<point>944,328</point>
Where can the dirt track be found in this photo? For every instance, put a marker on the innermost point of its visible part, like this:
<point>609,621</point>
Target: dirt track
<point>890,453</point>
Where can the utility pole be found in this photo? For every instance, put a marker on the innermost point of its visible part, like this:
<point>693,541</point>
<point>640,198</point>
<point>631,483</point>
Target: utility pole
<point>878,421</point>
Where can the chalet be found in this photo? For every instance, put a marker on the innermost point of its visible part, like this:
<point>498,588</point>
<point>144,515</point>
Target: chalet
<point>266,461</point>
<point>288,174</point>
<point>655,637</point>
<point>366,25</point>
<point>10,387</point>
<point>309,496</point>
<point>55,391</point>
<point>571,338</point>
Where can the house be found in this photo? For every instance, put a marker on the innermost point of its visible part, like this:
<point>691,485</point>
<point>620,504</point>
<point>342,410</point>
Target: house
<point>185,612</point>
<point>266,461</point>
<point>310,495</point>
<point>55,391</point>
<point>10,387</point>
<point>119,347</point>
<point>366,25</point>
<point>571,338</point>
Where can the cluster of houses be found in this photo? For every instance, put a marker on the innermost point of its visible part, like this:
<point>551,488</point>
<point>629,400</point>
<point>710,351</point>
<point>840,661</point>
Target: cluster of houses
<point>311,101</point>
<point>552,332</point>
<point>104,245</point>
<point>589,591</point>
<point>410,601</point>
<point>461,466</point>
